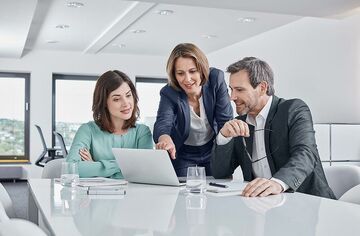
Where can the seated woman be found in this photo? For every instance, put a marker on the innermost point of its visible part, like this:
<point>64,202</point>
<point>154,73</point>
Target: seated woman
<point>115,111</point>
<point>193,108</point>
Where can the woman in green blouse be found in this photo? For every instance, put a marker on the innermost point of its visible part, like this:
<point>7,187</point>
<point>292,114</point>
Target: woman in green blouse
<point>115,111</point>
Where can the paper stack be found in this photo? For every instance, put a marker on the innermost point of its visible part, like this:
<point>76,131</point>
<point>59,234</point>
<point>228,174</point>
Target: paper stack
<point>103,186</point>
<point>106,190</point>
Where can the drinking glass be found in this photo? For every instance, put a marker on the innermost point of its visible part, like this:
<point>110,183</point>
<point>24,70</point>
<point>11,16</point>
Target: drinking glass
<point>196,179</point>
<point>69,174</point>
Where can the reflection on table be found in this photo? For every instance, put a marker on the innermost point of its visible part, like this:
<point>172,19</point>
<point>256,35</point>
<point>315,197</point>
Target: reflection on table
<point>160,210</point>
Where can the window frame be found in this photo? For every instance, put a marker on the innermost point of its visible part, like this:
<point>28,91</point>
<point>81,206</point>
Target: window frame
<point>150,80</point>
<point>13,159</point>
<point>56,76</point>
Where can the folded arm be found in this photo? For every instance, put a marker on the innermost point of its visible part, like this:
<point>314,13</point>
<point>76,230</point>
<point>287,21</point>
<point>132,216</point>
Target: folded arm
<point>103,168</point>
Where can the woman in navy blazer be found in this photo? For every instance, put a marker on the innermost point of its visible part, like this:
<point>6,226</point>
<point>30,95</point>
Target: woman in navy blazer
<point>194,106</point>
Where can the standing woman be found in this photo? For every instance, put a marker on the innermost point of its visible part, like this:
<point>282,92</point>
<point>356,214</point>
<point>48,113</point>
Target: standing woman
<point>194,106</point>
<point>115,111</point>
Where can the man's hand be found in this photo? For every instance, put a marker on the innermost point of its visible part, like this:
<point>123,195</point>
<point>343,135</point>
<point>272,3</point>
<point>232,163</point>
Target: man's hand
<point>261,187</point>
<point>165,142</point>
<point>235,128</point>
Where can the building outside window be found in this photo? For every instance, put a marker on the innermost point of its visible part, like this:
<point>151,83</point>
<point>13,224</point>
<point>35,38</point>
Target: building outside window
<point>72,104</point>
<point>14,117</point>
<point>149,97</point>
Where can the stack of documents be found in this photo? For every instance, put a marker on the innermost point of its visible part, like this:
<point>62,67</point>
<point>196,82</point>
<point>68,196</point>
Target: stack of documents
<point>106,190</point>
<point>103,186</point>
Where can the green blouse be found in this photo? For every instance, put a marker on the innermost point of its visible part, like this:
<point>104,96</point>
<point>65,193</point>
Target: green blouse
<point>99,143</point>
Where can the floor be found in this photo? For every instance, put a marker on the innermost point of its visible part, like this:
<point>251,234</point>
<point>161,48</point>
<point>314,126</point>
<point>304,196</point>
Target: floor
<point>19,194</point>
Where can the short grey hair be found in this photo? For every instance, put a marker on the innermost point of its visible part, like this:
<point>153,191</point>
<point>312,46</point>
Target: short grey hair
<point>258,71</point>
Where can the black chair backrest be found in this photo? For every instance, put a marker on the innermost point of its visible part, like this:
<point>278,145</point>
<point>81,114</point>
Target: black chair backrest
<point>41,136</point>
<point>60,138</point>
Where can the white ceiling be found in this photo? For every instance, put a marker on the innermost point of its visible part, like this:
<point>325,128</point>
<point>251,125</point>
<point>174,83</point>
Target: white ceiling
<point>101,26</point>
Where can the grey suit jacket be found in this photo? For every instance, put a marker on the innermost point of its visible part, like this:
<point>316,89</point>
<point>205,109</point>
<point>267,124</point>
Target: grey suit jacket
<point>290,148</point>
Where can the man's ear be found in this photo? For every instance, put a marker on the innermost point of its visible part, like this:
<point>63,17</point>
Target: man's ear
<point>263,87</point>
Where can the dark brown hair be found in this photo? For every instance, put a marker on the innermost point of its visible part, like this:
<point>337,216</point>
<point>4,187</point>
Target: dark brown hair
<point>187,50</point>
<point>257,70</point>
<point>106,83</point>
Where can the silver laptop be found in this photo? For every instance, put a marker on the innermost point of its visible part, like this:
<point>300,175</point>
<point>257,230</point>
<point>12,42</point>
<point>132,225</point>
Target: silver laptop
<point>147,166</point>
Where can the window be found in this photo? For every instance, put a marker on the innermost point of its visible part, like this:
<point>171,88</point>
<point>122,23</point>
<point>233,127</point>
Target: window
<point>72,104</point>
<point>149,97</point>
<point>14,117</point>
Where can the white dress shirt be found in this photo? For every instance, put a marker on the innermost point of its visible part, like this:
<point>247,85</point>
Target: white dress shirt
<point>200,130</point>
<point>261,169</point>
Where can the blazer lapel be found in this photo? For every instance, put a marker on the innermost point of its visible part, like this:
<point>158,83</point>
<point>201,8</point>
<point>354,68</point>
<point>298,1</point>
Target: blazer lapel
<point>184,104</point>
<point>207,100</point>
<point>247,170</point>
<point>272,112</point>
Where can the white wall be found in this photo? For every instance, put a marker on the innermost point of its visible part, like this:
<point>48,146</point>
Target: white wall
<point>317,60</point>
<point>41,65</point>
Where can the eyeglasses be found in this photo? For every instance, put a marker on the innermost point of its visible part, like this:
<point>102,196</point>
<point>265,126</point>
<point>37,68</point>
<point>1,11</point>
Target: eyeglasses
<point>248,154</point>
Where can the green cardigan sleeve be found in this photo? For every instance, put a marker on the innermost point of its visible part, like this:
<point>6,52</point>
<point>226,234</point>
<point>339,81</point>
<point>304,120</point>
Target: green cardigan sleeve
<point>144,138</point>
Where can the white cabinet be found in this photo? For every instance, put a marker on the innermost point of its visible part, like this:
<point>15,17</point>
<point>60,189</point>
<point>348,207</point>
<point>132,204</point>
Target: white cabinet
<point>322,136</point>
<point>338,144</point>
<point>345,142</point>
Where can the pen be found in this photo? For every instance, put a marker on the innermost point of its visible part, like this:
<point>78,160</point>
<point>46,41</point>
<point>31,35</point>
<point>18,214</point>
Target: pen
<point>218,185</point>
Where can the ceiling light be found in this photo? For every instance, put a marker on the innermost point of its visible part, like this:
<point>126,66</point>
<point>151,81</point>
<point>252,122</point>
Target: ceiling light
<point>246,19</point>
<point>62,26</point>
<point>209,36</point>
<point>165,12</point>
<point>121,45</point>
<point>52,41</point>
<point>75,4</point>
<point>139,31</point>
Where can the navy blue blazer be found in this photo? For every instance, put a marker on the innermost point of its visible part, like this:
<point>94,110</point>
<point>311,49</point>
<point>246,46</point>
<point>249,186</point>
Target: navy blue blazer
<point>173,116</point>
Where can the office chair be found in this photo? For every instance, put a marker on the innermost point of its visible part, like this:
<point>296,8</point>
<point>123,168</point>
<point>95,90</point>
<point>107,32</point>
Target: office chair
<point>352,195</point>
<point>3,215</point>
<point>52,169</point>
<point>47,153</point>
<point>60,138</point>
<point>6,202</point>
<point>342,178</point>
<point>19,227</point>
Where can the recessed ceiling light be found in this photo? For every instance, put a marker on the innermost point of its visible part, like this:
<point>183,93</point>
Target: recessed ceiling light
<point>165,12</point>
<point>138,31</point>
<point>62,26</point>
<point>75,4</point>
<point>52,41</point>
<point>121,45</point>
<point>209,36</point>
<point>246,19</point>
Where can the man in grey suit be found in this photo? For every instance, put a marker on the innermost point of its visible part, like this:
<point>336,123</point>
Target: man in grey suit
<point>272,139</point>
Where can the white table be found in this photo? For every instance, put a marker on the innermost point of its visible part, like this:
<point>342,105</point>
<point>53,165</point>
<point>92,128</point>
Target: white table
<point>160,210</point>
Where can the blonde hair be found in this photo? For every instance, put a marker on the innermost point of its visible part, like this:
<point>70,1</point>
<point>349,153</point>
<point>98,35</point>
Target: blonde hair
<point>187,50</point>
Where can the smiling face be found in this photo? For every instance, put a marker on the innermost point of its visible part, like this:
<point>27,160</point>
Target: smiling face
<point>188,76</point>
<point>120,103</point>
<point>248,100</point>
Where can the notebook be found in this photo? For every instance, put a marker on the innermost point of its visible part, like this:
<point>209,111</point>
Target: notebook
<point>146,166</point>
